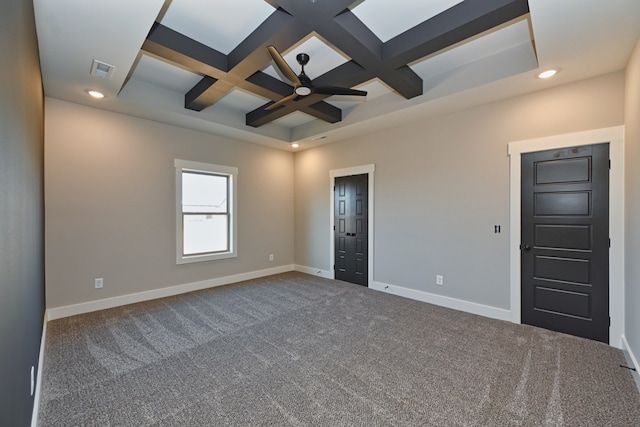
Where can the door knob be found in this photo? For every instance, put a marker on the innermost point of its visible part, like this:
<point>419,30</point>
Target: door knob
<point>525,247</point>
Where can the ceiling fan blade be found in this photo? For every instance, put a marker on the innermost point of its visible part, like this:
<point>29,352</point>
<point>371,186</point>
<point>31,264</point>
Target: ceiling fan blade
<point>334,90</point>
<point>283,66</point>
<point>281,101</point>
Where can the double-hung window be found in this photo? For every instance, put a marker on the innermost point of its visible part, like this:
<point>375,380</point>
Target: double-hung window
<point>205,211</point>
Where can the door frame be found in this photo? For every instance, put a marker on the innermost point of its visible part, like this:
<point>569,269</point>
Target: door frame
<point>336,173</point>
<point>615,137</point>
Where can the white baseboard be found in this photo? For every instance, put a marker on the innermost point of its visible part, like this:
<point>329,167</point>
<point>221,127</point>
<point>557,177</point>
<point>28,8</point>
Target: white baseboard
<point>103,304</point>
<point>632,358</point>
<point>448,302</point>
<point>38,385</point>
<point>314,271</point>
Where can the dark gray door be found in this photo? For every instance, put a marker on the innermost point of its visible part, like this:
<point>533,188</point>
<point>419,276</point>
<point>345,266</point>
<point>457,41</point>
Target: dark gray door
<point>351,204</point>
<point>565,240</point>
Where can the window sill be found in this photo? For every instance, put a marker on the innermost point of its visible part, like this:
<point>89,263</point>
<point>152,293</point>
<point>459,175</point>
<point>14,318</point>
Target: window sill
<point>207,257</point>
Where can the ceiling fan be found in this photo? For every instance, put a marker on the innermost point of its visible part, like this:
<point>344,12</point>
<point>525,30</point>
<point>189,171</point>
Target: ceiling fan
<point>302,85</point>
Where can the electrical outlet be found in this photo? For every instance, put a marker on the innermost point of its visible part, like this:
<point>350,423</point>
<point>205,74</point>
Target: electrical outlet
<point>98,283</point>
<point>439,280</point>
<point>270,257</point>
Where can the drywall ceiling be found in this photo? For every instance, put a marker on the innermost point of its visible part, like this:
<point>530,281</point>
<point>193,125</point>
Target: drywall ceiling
<point>152,77</point>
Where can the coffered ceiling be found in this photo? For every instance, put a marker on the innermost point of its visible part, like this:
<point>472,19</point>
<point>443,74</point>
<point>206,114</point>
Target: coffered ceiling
<point>204,64</point>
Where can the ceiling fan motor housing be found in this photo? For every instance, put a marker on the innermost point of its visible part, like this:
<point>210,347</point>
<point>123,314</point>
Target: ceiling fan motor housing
<point>303,85</point>
<point>302,58</point>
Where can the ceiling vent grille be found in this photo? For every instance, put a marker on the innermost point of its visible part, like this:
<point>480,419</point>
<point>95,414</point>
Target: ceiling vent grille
<point>102,69</point>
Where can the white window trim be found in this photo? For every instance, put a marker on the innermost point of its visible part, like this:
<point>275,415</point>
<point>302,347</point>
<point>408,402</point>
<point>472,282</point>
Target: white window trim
<point>185,165</point>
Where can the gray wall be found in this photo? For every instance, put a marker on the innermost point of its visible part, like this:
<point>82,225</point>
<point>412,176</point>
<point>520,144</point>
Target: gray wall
<point>110,204</point>
<point>632,202</point>
<point>442,184</point>
<point>21,210</point>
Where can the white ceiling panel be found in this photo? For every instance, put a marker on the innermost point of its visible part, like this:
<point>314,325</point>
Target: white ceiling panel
<point>482,47</point>
<point>241,101</point>
<point>387,18</point>
<point>322,58</point>
<point>219,24</point>
<point>293,120</point>
<point>165,75</point>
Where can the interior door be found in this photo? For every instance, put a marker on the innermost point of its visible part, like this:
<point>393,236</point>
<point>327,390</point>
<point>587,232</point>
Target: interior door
<point>351,204</point>
<point>565,240</point>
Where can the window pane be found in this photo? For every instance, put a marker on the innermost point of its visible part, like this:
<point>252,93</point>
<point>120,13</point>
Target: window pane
<point>204,234</point>
<point>204,193</point>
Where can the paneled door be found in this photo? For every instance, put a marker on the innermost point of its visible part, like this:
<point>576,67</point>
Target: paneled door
<point>565,240</point>
<point>351,228</point>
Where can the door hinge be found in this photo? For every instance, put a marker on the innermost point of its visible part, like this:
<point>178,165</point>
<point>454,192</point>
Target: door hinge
<point>609,321</point>
<point>334,228</point>
<point>334,267</point>
<point>609,241</point>
<point>609,164</point>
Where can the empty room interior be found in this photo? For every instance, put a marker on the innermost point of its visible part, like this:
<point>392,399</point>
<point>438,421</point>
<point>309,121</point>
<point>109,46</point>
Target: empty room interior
<point>320,212</point>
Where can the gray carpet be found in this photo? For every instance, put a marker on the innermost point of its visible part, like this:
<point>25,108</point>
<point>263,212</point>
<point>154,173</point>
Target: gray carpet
<point>297,350</point>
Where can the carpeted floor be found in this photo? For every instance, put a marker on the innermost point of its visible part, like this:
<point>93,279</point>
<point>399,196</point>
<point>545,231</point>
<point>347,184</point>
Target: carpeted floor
<point>298,350</point>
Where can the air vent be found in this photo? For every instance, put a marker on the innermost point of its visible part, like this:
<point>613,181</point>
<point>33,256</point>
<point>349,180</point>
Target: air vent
<point>102,69</point>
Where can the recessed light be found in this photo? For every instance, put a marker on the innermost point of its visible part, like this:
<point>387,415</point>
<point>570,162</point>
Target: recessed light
<point>96,94</point>
<point>295,145</point>
<point>548,73</point>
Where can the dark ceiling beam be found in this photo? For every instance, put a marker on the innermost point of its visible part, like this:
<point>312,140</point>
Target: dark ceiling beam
<point>178,51</point>
<point>251,55</point>
<point>324,111</point>
<point>461,22</point>
<point>340,27</point>
<point>279,29</point>
<point>311,105</point>
<point>270,83</point>
<point>227,71</point>
<point>214,85</point>
<point>354,73</point>
<point>361,40</point>
<point>310,12</point>
<point>260,115</point>
<point>292,21</point>
<point>201,95</point>
<point>347,32</point>
<point>388,61</point>
<point>310,17</point>
<point>347,74</point>
<point>319,109</point>
<point>181,50</point>
<point>170,44</point>
<point>366,49</point>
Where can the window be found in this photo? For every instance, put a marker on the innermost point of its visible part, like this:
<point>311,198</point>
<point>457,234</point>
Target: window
<point>205,211</point>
